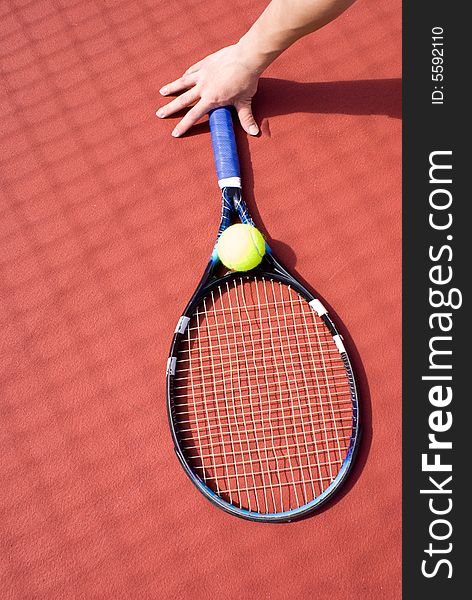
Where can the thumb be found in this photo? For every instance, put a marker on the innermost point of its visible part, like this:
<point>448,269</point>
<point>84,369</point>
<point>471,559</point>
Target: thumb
<point>246,118</point>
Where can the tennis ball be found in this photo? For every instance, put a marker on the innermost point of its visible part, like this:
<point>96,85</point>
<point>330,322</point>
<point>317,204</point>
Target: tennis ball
<point>241,247</point>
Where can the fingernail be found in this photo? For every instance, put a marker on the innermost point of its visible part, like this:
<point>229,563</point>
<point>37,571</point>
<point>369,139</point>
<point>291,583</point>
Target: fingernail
<point>175,133</point>
<point>163,91</point>
<point>254,130</point>
<point>160,113</point>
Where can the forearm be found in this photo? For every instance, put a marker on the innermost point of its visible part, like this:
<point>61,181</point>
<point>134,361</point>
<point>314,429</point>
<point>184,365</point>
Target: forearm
<point>282,23</point>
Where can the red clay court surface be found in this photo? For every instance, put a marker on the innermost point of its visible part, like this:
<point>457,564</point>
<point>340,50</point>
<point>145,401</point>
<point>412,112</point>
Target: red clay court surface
<point>106,225</point>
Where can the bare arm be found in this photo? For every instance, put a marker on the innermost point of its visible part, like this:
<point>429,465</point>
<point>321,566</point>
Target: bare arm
<point>231,75</point>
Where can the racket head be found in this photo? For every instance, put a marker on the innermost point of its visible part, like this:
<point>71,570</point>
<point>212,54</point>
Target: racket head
<point>271,450</point>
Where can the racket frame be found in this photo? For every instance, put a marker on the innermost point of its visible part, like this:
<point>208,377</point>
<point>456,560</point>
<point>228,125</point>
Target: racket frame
<point>270,268</point>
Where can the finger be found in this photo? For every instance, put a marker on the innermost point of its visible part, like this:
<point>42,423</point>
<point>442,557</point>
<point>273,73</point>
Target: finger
<point>193,115</point>
<point>194,68</point>
<point>182,83</point>
<point>178,103</point>
<point>246,118</point>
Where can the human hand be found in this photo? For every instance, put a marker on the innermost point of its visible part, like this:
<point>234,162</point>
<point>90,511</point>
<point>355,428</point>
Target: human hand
<point>221,79</point>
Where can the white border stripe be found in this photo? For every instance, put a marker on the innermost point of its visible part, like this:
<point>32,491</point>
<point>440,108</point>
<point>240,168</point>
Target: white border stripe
<point>230,182</point>
<point>339,344</point>
<point>182,324</point>
<point>171,362</point>
<point>318,307</point>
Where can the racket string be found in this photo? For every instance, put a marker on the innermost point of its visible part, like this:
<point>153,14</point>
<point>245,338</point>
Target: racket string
<point>265,476</point>
<point>236,423</point>
<point>206,414</point>
<point>262,397</point>
<point>249,449</point>
<point>337,374</point>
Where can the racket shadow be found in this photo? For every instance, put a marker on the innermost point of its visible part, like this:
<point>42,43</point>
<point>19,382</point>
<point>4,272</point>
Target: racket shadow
<point>282,97</point>
<point>365,403</point>
<point>288,258</point>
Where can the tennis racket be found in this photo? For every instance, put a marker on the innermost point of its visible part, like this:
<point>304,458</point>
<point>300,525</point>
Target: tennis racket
<point>261,396</point>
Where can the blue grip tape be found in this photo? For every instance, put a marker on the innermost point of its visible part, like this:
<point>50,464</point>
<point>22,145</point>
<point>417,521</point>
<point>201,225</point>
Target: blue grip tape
<point>224,144</point>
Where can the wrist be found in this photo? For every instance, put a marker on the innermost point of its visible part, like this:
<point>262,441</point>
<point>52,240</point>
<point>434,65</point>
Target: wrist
<point>253,55</point>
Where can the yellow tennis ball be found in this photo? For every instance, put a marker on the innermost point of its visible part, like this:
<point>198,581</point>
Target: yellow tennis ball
<point>241,247</point>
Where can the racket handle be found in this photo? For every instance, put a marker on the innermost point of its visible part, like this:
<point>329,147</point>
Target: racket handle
<point>224,148</point>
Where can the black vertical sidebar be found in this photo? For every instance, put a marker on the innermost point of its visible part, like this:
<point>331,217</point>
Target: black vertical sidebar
<point>436,523</point>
